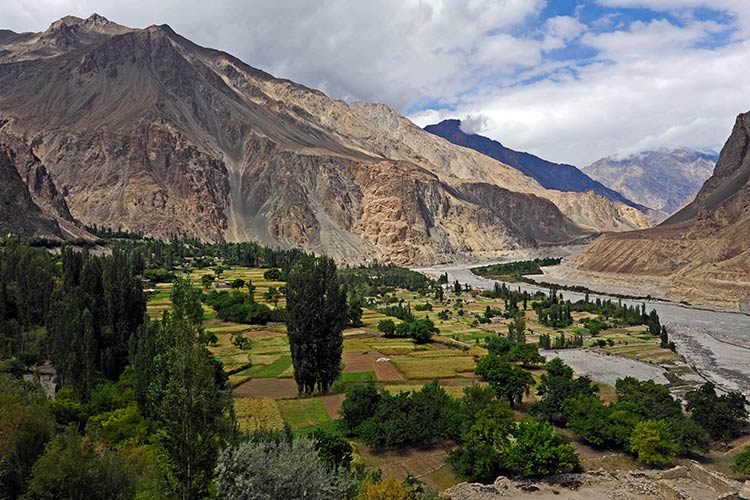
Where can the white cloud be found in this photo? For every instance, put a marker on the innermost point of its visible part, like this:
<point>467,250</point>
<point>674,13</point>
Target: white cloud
<point>561,30</point>
<point>651,84</point>
<point>474,124</point>
<point>393,51</point>
<point>670,100</point>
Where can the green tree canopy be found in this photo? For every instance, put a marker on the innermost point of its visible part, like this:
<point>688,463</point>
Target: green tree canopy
<point>509,381</point>
<point>317,315</point>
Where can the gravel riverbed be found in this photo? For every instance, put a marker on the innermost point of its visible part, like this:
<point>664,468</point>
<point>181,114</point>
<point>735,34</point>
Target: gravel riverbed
<point>714,342</point>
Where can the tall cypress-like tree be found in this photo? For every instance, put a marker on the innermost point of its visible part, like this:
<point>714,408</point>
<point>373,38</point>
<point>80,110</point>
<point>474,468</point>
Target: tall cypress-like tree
<point>194,404</point>
<point>317,315</point>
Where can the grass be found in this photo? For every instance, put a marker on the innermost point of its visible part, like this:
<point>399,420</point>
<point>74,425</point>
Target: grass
<point>437,367</point>
<point>357,377</point>
<point>258,414</point>
<point>272,370</point>
<point>302,413</point>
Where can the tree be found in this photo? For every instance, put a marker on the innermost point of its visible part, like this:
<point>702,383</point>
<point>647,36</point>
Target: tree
<point>654,400</point>
<point>476,398</point>
<point>741,462</point>
<point>334,450</point>
<point>418,417</point>
<point>689,436</point>
<point>272,295</point>
<point>722,416</point>
<point>196,405</point>
<point>516,328</point>
<point>360,404</point>
<point>26,425</point>
<point>273,274</point>
<point>479,456</point>
<point>498,345</point>
<point>207,280</point>
<point>265,470</point>
<point>354,310</point>
<point>653,443</point>
<point>538,450</point>
<point>556,387</point>
<point>238,283</point>
<point>510,382</point>
<point>526,353</point>
<point>387,326</point>
<point>588,417</point>
<point>317,315</point>
<point>73,468</point>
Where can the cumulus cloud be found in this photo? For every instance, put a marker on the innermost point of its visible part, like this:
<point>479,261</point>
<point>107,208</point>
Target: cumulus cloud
<point>392,51</point>
<point>474,124</point>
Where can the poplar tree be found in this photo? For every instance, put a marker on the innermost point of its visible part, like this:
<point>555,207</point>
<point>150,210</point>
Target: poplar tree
<point>317,315</point>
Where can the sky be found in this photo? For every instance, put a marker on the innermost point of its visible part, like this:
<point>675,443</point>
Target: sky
<point>571,81</point>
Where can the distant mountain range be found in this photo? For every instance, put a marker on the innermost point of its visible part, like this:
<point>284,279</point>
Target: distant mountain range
<point>664,180</point>
<point>559,176</point>
<point>702,252</point>
<point>144,130</point>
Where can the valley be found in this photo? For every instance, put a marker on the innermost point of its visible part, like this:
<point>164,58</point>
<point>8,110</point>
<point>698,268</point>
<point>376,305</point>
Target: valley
<point>217,283</point>
<point>717,342</point>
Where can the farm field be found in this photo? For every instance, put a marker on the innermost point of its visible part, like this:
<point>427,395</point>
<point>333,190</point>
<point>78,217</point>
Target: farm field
<point>258,361</point>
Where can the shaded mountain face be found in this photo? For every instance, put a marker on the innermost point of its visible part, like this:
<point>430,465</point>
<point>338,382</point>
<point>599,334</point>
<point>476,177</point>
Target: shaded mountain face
<point>702,251</point>
<point>144,130</point>
<point>19,215</point>
<point>662,180</point>
<point>558,176</point>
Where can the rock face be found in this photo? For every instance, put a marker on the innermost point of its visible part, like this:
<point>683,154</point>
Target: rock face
<point>19,215</point>
<point>663,180</point>
<point>557,176</point>
<point>144,130</point>
<point>703,251</point>
<point>686,482</point>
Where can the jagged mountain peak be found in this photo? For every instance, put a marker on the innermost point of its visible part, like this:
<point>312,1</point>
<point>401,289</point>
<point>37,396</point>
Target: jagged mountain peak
<point>663,179</point>
<point>95,23</point>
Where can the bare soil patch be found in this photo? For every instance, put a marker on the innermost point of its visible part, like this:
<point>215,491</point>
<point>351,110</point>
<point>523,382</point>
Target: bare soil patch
<point>275,388</point>
<point>332,404</point>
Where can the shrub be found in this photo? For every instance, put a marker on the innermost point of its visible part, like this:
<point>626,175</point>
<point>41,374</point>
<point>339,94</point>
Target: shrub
<point>72,467</point>
<point>653,443</point>
<point>741,462</point>
<point>263,470</point>
<point>538,450</point>
<point>273,274</point>
<point>387,326</point>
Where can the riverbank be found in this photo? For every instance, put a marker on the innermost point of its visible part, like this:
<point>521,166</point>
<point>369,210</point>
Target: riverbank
<point>710,340</point>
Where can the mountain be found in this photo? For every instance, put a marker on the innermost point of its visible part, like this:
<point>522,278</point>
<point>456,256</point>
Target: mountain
<point>558,176</point>
<point>19,215</point>
<point>144,130</point>
<point>701,253</point>
<point>664,180</point>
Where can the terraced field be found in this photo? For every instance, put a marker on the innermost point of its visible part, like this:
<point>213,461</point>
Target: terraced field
<point>262,375</point>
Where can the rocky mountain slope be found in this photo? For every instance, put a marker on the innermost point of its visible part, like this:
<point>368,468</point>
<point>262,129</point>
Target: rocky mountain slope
<point>664,180</point>
<point>144,130</point>
<point>19,215</point>
<point>701,253</point>
<point>560,177</point>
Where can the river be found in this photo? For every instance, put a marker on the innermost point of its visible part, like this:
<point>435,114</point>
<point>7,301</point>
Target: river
<point>716,343</point>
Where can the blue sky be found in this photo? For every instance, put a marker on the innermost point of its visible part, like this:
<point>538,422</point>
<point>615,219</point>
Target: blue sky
<point>569,80</point>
